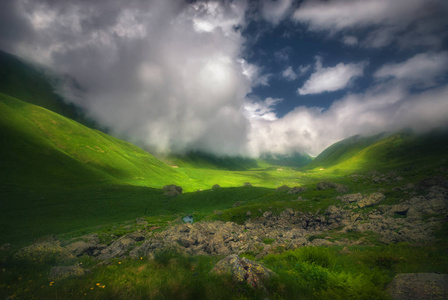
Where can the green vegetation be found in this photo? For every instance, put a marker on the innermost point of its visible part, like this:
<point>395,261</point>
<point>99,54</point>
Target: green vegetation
<point>63,178</point>
<point>360,272</point>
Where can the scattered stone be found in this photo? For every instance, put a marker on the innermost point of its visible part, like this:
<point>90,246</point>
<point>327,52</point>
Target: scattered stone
<point>248,213</point>
<point>350,198</point>
<point>296,190</point>
<point>62,272</point>
<point>118,248</point>
<point>419,286</point>
<point>172,190</point>
<point>267,214</point>
<point>324,185</point>
<point>243,270</point>
<point>80,248</point>
<point>371,200</point>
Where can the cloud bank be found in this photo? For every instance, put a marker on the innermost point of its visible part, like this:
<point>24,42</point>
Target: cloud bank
<point>171,75</point>
<point>402,22</point>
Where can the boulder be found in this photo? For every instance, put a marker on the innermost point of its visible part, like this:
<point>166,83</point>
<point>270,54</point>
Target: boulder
<point>58,273</point>
<point>371,200</point>
<point>172,190</point>
<point>82,248</point>
<point>419,286</point>
<point>118,248</point>
<point>216,186</point>
<point>324,185</point>
<point>247,184</point>
<point>296,190</point>
<point>243,270</point>
<point>350,198</point>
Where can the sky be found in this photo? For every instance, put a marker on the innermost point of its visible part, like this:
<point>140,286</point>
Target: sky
<point>241,77</point>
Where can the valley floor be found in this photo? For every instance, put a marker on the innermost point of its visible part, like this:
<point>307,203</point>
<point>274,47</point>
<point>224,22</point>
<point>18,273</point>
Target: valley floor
<point>342,239</point>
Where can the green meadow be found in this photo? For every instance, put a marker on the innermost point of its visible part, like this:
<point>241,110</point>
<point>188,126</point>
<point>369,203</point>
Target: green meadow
<point>60,177</point>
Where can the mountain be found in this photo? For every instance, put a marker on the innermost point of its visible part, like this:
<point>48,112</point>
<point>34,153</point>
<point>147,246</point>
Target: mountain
<point>43,148</point>
<point>384,150</point>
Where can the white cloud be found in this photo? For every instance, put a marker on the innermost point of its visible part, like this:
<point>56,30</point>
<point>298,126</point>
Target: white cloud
<point>289,74</point>
<point>275,11</point>
<point>387,18</point>
<point>261,110</point>
<point>386,107</point>
<point>332,78</point>
<point>423,69</point>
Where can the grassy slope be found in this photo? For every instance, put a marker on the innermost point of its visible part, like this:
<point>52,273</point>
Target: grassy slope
<point>384,151</point>
<point>44,148</point>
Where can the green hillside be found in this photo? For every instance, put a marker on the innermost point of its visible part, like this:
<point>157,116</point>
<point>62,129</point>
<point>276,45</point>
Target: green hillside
<point>202,160</point>
<point>29,83</point>
<point>383,151</point>
<point>42,148</point>
<point>288,160</point>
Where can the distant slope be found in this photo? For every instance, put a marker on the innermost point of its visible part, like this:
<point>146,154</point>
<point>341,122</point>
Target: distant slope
<point>24,81</point>
<point>202,160</point>
<point>294,160</point>
<point>42,148</point>
<point>384,150</point>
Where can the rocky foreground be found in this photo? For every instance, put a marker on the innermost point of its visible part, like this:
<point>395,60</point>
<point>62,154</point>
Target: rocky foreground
<point>413,220</point>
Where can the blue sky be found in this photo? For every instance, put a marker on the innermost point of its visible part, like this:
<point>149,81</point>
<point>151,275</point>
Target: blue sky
<point>241,77</point>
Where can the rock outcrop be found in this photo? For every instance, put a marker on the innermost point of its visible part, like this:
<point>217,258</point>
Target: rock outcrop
<point>172,190</point>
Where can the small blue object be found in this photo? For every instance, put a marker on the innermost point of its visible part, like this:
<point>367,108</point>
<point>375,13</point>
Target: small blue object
<point>188,219</point>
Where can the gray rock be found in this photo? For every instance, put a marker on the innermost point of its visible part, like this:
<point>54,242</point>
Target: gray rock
<point>371,200</point>
<point>419,286</point>
<point>117,248</point>
<point>216,186</point>
<point>267,214</point>
<point>297,190</point>
<point>247,184</point>
<point>62,272</point>
<point>172,190</point>
<point>350,198</point>
<point>82,248</point>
